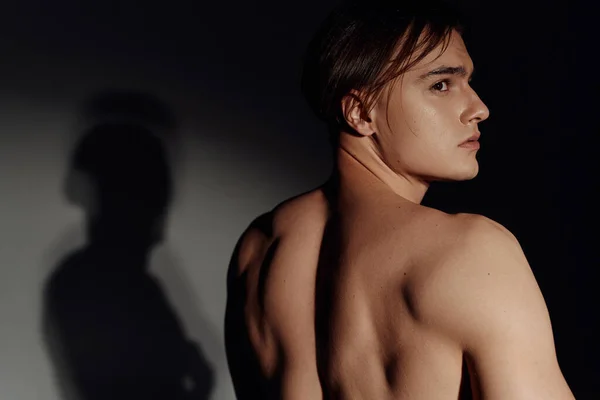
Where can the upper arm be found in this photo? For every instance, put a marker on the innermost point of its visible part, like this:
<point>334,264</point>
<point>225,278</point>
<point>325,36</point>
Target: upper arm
<point>267,293</point>
<point>485,296</point>
<point>289,308</point>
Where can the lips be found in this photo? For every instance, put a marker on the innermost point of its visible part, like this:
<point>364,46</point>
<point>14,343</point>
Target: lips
<point>474,137</point>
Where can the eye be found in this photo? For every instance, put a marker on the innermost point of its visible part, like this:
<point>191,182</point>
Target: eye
<point>441,86</point>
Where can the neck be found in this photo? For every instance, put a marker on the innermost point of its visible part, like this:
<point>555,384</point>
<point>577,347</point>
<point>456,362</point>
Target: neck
<point>360,167</point>
<point>113,234</point>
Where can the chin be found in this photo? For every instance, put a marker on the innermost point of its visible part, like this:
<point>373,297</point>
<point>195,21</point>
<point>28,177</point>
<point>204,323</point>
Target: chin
<point>466,173</point>
<point>469,173</point>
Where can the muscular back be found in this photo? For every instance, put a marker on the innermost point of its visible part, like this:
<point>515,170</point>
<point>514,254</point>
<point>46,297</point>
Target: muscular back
<point>382,301</point>
<point>372,341</point>
<point>269,324</point>
<point>362,341</point>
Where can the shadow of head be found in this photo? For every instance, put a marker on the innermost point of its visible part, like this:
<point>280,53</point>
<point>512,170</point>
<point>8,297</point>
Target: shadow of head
<point>119,171</point>
<point>110,330</point>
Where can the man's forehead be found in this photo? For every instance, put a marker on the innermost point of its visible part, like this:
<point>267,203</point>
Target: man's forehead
<point>455,54</point>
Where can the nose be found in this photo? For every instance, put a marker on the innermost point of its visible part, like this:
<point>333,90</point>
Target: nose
<point>482,111</point>
<point>476,111</point>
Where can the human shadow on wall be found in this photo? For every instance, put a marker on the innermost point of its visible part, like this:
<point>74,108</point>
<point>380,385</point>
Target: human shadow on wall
<point>109,328</point>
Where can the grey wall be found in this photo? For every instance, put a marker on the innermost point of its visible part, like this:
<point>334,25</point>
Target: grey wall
<point>241,147</point>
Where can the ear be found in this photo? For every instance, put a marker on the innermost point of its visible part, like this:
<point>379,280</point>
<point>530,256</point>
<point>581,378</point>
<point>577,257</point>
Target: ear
<point>355,114</point>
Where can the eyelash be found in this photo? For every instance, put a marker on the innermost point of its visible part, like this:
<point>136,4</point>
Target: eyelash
<point>446,81</point>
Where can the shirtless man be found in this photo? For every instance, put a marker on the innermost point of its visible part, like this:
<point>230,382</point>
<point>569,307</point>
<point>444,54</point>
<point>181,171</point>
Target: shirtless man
<point>357,291</point>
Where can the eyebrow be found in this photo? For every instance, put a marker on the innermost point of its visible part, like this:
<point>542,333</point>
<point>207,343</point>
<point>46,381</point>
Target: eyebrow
<point>446,70</point>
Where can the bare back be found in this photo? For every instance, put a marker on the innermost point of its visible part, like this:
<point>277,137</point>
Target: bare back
<point>361,271</point>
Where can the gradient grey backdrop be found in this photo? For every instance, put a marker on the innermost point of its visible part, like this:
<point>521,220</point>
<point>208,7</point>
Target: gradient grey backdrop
<point>246,141</point>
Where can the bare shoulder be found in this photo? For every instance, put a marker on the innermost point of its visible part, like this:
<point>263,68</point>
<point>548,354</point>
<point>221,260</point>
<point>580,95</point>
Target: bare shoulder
<point>303,212</point>
<point>476,225</point>
<point>447,236</point>
<point>477,257</point>
<point>485,245</point>
<point>481,292</point>
<point>293,217</point>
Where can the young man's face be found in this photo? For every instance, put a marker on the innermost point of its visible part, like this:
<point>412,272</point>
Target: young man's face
<point>420,130</point>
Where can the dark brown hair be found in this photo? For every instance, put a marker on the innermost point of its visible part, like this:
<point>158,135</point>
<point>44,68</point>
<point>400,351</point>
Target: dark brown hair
<point>363,45</point>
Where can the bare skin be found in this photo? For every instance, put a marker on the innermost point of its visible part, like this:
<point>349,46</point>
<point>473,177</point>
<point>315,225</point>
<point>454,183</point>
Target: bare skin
<point>357,291</point>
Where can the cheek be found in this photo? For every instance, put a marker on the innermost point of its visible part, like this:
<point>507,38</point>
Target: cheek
<point>423,135</point>
<point>414,125</point>
<point>429,121</point>
<point>419,126</point>
<point>404,119</point>
<point>414,115</point>
<point>434,127</point>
